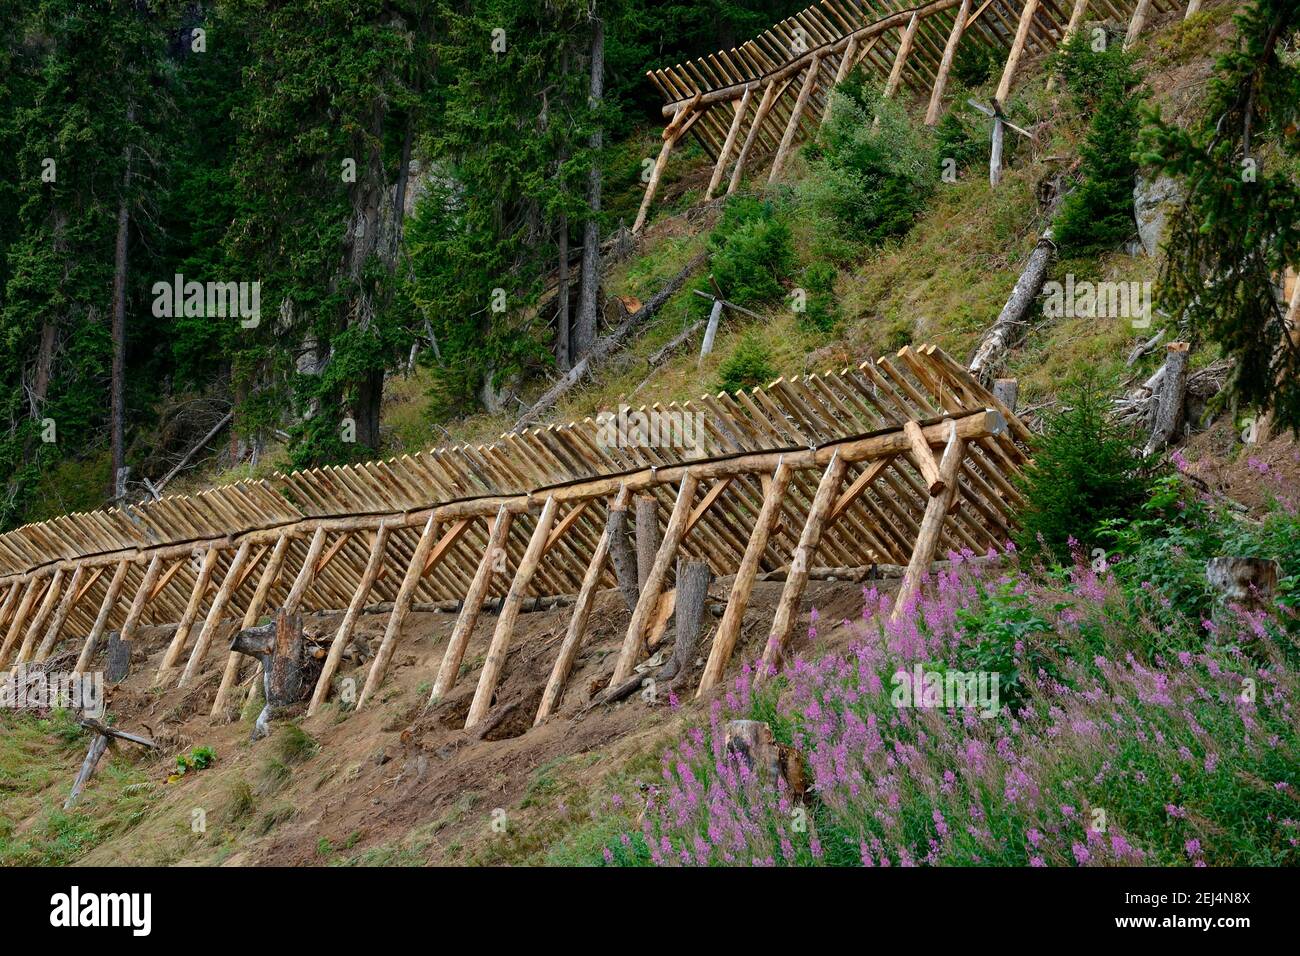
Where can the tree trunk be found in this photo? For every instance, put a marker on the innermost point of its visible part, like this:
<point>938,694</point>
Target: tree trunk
<point>563,352</point>
<point>584,336</point>
<point>117,398</point>
<point>620,553</point>
<point>647,536</point>
<point>369,401</point>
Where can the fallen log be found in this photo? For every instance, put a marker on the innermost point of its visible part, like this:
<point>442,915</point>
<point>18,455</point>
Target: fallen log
<point>103,735</point>
<point>606,345</point>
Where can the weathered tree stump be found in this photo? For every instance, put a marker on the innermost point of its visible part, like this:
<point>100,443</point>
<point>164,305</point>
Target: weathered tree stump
<point>751,742</point>
<point>117,659</point>
<point>1006,391</point>
<point>1170,398</point>
<point>279,646</point>
<point>620,554</point>
<point>1249,582</point>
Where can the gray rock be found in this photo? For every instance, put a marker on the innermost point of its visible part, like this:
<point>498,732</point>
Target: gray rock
<point>1153,200</point>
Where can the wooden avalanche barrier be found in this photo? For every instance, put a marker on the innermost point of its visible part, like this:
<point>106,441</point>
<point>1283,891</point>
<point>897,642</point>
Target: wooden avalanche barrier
<point>774,90</point>
<point>895,461</point>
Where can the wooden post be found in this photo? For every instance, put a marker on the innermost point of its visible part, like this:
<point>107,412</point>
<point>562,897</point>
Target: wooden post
<point>111,595</point>
<point>142,596</point>
<point>401,605</point>
<point>720,166</point>
<point>1193,7</point>
<point>11,598</point>
<point>1006,390</point>
<point>671,133</point>
<point>344,633</point>
<point>568,652</point>
<point>653,586</point>
<point>900,58</point>
<point>1071,28</point>
<point>764,106</point>
<point>493,555</point>
<point>927,536</point>
<point>500,645</point>
<point>70,596</point>
<point>945,65</point>
<point>923,458</point>
<point>797,580</point>
<point>213,620</point>
<point>995,154</point>
<point>724,641</point>
<point>182,635</point>
<point>792,125</point>
<point>93,755</point>
<point>270,574</point>
<point>711,330</point>
<point>1137,23</point>
<point>846,64</point>
<point>1017,47</point>
<point>47,607</point>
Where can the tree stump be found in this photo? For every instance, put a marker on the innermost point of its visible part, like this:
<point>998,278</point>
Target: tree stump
<point>1249,582</point>
<point>752,744</point>
<point>117,659</point>
<point>279,646</point>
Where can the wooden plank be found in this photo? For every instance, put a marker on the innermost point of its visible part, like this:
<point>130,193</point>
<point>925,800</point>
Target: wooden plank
<point>182,635</point>
<point>1017,47</point>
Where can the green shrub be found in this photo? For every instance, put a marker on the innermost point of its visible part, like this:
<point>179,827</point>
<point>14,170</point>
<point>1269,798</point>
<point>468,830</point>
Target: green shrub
<point>752,253</point>
<point>1098,215</point>
<point>749,365</point>
<point>975,64</point>
<point>960,139</point>
<point>868,180</point>
<point>821,310</point>
<point>1085,473</point>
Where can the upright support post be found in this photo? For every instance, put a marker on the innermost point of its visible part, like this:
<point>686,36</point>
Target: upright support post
<point>724,641</point>
<point>846,64</point>
<point>653,587</point>
<point>270,574</point>
<point>213,620</point>
<point>927,536</point>
<point>401,605</point>
<point>945,65</point>
<point>1071,28</point>
<point>672,132</point>
<point>760,115</point>
<point>11,598</point>
<point>500,645</point>
<point>720,166</point>
<point>900,58</point>
<point>111,595</point>
<point>494,559</point>
<point>1138,22</point>
<point>1017,47</point>
<point>568,652</point>
<point>182,635</point>
<point>995,154</point>
<point>47,608</point>
<point>796,114</point>
<point>1193,7</point>
<point>35,587</point>
<point>344,634</point>
<point>70,595</point>
<point>797,580</point>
